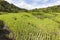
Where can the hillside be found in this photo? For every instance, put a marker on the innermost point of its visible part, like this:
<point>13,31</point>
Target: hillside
<point>22,24</point>
<point>7,7</point>
<point>48,9</point>
<point>48,12</point>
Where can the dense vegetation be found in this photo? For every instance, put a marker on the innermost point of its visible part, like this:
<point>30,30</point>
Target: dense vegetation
<point>36,24</point>
<point>48,9</point>
<point>27,27</point>
<point>7,7</point>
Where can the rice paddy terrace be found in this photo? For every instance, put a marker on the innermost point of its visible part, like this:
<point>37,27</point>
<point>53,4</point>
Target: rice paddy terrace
<point>25,26</point>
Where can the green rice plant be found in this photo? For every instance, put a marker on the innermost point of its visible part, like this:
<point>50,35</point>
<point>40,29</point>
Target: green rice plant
<point>25,26</point>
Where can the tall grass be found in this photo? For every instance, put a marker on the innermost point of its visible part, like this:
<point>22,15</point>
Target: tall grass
<point>25,26</point>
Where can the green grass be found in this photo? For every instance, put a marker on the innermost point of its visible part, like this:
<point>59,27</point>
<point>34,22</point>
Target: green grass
<point>25,26</point>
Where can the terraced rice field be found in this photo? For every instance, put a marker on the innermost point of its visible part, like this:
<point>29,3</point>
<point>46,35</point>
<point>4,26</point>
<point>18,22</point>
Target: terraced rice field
<point>25,26</point>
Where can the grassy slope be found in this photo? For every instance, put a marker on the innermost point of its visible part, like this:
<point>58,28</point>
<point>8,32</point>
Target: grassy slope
<point>25,26</point>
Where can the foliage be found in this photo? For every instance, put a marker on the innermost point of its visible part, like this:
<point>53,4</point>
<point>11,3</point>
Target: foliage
<point>55,9</point>
<point>4,32</point>
<point>36,24</point>
<point>25,26</point>
<point>7,7</point>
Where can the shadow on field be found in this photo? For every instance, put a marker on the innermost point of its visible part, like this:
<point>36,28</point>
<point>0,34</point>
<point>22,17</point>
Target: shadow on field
<point>4,31</point>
